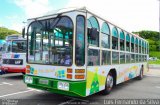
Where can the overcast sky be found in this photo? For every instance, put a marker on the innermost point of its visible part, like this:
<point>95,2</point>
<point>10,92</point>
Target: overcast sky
<point>131,15</point>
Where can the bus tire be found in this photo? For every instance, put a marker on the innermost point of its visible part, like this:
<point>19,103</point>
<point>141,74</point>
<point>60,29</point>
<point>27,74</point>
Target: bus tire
<point>109,84</point>
<point>140,77</point>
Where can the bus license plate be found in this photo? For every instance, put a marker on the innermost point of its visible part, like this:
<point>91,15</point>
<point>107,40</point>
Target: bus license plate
<point>43,81</point>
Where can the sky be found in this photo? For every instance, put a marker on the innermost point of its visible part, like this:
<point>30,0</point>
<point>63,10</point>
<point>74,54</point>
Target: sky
<point>131,15</point>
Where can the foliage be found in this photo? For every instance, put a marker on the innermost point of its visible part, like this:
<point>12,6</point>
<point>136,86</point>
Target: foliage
<point>152,48</point>
<point>151,42</point>
<point>153,38</point>
<point>154,62</point>
<point>5,32</point>
<point>152,35</point>
<point>154,54</point>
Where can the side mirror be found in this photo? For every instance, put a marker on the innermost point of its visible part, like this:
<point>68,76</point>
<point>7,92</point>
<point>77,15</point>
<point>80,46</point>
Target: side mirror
<point>93,33</point>
<point>23,32</point>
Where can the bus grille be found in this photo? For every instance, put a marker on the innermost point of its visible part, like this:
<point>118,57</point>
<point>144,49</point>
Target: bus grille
<point>13,61</point>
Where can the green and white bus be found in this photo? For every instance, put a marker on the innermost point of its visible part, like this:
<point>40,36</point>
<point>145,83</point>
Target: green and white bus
<point>78,53</point>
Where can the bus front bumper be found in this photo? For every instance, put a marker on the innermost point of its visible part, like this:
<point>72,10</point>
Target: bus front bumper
<point>65,87</point>
<point>9,69</point>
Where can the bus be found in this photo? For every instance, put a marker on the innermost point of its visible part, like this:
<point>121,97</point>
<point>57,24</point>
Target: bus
<point>1,47</point>
<point>14,54</point>
<point>84,54</point>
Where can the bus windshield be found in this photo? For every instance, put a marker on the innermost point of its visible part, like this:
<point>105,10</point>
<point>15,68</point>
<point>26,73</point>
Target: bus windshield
<point>16,46</point>
<point>6,47</point>
<point>51,41</point>
<point>19,46</point>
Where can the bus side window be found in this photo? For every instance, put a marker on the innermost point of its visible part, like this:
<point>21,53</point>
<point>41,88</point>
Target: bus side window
<point>93,57</point>
<point>115,38</point>
<point>93,31</point>
<point>80,42</point>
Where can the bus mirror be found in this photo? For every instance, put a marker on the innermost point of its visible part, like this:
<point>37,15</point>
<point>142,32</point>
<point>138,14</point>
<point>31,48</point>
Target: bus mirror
<point>23,32</point>
<point>93,33</point>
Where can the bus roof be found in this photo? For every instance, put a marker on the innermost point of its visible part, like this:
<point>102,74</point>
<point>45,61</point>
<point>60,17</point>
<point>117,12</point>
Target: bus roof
<point>14,37</point>
<point>83,9</point>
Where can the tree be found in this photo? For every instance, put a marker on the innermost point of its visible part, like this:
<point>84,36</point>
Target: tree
<point>5,32</point>
<point>154,41</point>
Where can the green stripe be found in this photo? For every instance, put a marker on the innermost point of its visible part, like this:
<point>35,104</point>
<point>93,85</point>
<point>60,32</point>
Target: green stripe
<point>77,88</point>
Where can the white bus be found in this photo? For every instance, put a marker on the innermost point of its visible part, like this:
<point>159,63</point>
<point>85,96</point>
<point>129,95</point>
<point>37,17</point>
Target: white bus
<point>14,54</point>
<point>2,42</point>
<point>84,54</point>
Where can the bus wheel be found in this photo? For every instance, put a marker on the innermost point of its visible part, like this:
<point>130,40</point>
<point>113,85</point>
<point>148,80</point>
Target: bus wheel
<point>140,77</point>
<point>109,84</point>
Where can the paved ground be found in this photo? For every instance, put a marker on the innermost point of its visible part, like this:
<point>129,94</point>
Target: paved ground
<point>12,87</point>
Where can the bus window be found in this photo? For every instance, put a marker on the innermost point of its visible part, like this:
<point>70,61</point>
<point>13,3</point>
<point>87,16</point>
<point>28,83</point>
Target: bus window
<point>128,43</point>
<point>105,36</point>
<point>132,44</point>
<point>140,58</point>
<point>115,38</point>
<point>142,45</point>
<point>136,45</point>
<point>132,58</point>
<point>122,37</point>
<point>122,58</point>
<point>136,57</point>
<point>93,23</point>
<point>115,57</point>
<point>93,57</point>
<point>128,57</point>
<point>145,59</point>
<point>106,59</point>
<point>140,48</point>
<point>80,42</point>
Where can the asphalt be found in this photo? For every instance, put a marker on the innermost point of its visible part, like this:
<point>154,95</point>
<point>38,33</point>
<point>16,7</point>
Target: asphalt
<point>13,88</point>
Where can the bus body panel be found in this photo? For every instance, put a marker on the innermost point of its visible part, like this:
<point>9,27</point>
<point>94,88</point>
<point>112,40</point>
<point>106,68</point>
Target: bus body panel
<point>14,54</point>
<point>95,79</point>
<point>54,72</point>
<point>13,62</point>
<point>96,76</point>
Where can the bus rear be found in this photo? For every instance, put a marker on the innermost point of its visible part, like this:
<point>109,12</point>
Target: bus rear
<point>14,55</point>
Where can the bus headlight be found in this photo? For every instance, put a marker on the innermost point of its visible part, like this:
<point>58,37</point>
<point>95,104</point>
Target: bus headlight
<point>28,79</point>
<point>63,86</point>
